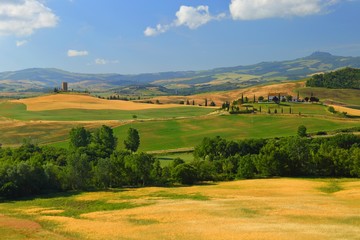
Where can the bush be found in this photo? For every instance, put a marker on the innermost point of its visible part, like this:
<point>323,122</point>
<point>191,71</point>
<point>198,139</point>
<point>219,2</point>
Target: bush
<point>185,174</point>
<point>331,109</point>
<point>320,133</point>
<point>302,131</point>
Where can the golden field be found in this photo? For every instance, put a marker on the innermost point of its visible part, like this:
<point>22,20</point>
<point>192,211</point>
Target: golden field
<point>76,101</point>
<point>248,209</point>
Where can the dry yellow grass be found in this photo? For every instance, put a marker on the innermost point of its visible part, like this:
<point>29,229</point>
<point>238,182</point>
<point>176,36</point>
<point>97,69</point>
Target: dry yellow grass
<point>76,101</point>
<point>24,229</point>
<point>350,111</point>
<point>252,209</point>
<point>14,131</point>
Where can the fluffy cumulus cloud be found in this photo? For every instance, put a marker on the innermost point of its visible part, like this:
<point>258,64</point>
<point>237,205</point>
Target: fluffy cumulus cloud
<point>191,17</point>
<point>260,9</point>
<point>76,53</point>
<point>23,17</point>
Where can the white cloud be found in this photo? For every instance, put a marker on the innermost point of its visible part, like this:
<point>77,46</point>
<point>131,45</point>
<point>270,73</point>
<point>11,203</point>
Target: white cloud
<point>260,9</point>
<point>21,43</point>
<point>191,17</point>
<point>23,17</point>
<point>101,61</point>
<point>149,31</point>
<point>76,53</point>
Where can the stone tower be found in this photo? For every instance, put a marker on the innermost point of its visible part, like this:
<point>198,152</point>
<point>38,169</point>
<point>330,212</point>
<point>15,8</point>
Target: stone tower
<point>64,86</point>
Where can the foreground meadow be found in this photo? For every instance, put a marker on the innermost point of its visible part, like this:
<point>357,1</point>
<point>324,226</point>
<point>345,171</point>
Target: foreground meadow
<point>251,209</point>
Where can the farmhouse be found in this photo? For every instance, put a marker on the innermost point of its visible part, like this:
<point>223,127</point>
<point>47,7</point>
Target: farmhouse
<point>279,96</point>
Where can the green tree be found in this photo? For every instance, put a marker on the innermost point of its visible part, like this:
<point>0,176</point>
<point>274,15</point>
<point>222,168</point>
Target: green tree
<point>301,132</point>
<point>268,162</point>
<point>132,142</point>
<point>141,166</point>
<point>156,172</point>
<point>331,109</point>
<point>79,137</point>
<point>105,141</point>
<point>185,174</point>
<point>103,173</point>
<point>355,161</point>
<point>246,167</point>
<point>77,172</point>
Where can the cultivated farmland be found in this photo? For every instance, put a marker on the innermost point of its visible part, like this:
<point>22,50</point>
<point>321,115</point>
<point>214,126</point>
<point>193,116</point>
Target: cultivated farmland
<point>161,126</point>
<point>251,209</point>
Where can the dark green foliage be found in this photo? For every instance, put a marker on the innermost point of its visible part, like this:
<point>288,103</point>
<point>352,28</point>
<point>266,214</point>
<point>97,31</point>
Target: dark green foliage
<point>246,167</point>
<point>185,174</point>
<point>140,166</point>
<point>331,109</point>
<point>79,137</point>
<point>177,161</point>
<point>206,170</point>
<point>268,162</point>
<point>104,142</point>
<point>31,169</point>
<point>301,132</point>
<point>132,142</point>
<point>344,78</point>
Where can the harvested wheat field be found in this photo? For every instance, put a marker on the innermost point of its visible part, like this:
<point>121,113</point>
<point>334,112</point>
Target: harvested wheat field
<point>78,101</point>
<point>14,132</point>
<point>249,209</point>
<point>221,97</point>
<point>350,111</point>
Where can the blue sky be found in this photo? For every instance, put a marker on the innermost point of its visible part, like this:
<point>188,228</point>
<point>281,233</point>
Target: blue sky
<point>138,36</point>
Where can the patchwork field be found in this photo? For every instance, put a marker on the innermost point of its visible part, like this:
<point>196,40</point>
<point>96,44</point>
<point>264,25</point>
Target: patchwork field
<point>182,133</point>
<point>251,209</point>
<point>221,97</point>
<point>160,128</point>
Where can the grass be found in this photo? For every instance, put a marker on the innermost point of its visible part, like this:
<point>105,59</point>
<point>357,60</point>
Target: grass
<point>187,133</point>
<point>332,186</point>
<point>70,206</point>
<point>18,111</point>
<point>250,209</point>
<point>345,96</point>
<point>167,159</point>
<point>184,133</point>
<point>174,196</point>
<point>163,129</point>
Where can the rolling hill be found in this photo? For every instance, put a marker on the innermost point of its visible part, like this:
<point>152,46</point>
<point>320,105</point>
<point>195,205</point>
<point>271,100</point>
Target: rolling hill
<point>182,82</point>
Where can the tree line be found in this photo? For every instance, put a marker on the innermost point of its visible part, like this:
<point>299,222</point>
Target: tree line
<point>343,78</point>
<point>92,162</point>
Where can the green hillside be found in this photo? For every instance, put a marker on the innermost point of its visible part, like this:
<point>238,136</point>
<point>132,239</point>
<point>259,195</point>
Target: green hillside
<point>343,78</point>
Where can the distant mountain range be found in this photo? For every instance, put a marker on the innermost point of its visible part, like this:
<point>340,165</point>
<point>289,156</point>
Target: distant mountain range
<point>182,82</point>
